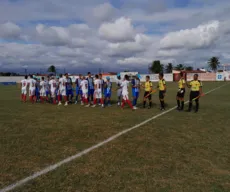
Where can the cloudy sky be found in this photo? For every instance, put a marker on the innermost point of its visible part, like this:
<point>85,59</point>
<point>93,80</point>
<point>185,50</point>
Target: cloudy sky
<point>114,35</point>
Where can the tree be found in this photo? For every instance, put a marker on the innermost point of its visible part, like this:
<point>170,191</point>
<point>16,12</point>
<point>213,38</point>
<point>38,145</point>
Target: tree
<point>52,69</point>
<point>189,68</point>
<point>180,67</point>
<point>213,63</point>
<point>156,67</point>
<point>169,68</point>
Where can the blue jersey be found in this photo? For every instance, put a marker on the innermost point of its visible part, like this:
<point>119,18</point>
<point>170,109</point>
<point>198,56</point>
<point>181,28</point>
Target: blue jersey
<point>136,83</point>
<point>69,84</point>
<point>102,85</point>
<point>90,82</point>
<point>108,87</point>
<point>78,83</point>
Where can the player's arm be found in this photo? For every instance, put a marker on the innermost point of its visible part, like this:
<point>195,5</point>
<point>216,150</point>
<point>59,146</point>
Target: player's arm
<point>119,87</point>
<point>188,84</point>
<point>151,87</point>
<point>164,84</point>
<point>201,90</point>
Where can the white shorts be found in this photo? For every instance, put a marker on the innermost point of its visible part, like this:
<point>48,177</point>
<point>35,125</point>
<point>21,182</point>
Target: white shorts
<point>24,91</point>
<point>97,94</point>
<point>53,93</point>
<point>85,94</point>
<point>31,91</point>
<point>125,96</point>
<point>63,92</point>
<point>42,93</point>
<point>119,92</point>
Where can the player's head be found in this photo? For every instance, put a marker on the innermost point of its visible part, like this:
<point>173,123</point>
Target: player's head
<point>126,77</point>
<point>66,75</point>
<point>181,74</point>
<point>195,77</point>
<point>138,76</point>
<point>89,74</point>
<point>100,76</point>
<point>83,77</point>
<point>161,75</point>
<point>96,76</point>
<point>31,76</point>
<point>119,76</point>
<point>60,75</point>
<point>147,78</point>
<point>43,78</point>
<point>26,77</point>
<point>108,78</point>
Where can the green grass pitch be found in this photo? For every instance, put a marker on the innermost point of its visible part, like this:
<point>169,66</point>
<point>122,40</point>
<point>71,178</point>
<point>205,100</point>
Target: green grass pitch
<point>176,152</point>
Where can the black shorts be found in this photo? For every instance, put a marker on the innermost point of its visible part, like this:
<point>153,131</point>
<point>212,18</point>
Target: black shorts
<point>161,94</point>
<point>148,93</point>
<point>193,95</point>
<point>181,95</point>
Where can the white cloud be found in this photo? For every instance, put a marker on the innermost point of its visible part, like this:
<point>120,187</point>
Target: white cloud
<point>72,36</point>
<point>103,12</point>
<point>199,37</point>
<point>119,31</point>
<point>134,61</point>
<point>10,31</point>
<point>140,44</point>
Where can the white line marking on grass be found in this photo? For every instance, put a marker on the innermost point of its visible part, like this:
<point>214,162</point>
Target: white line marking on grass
<point>71,158</point>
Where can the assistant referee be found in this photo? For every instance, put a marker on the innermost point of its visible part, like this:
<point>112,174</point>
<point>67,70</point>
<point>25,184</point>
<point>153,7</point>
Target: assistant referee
<point>196,90</point>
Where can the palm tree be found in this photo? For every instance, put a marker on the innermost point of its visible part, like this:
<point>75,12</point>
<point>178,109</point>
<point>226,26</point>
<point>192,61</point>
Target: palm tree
<point>189,68</point>
<point>169,68</point>
<point>213,63</point>
<point>156,67</point>
<point>180,67</point>
<point>52,69</point>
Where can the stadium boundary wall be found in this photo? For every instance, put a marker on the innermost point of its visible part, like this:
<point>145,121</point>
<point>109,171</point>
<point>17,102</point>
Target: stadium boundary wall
<point>223,76</point>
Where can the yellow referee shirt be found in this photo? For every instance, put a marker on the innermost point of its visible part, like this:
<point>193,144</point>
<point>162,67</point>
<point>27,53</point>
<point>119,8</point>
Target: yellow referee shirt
<point>181,83</point>
<point>161,85</point>
<point>148,86</point>
<point>195,85</point>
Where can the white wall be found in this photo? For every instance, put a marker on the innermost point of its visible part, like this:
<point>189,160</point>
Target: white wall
<point>11,79</point>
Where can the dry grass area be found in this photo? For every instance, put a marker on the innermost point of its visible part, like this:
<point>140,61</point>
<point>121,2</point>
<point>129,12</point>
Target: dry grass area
<point>177,152</point>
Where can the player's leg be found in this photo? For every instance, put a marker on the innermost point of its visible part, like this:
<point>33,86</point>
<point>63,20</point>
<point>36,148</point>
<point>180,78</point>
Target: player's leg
<point>77,94</point>
<point>161,98</point>
<point>41,97</point>
<point>197,101</point>
<point>191,97</point>
<point>22,95</point>
<point>91,95</point>
<point>178,100</point>
<point>128,101</point>
<point>25,94</point>
<point>86,100</point>
<point>101,98</point>
<point>65,96</point>
<point>182,100</point>
<point>118,97</point>
<point>59,97</point>
<point>144,99</point>
<point>109,99</point>
<point>150,101</point>
<point>134,97</point>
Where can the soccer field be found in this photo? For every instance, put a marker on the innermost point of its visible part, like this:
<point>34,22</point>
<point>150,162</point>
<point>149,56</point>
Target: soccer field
<point>174,152</point>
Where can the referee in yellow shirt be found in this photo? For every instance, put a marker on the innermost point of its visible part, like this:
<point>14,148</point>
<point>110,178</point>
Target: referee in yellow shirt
<point>180,93</point>
<point>162,90</point>
<point>148,89</point>
<point>196,90</point>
